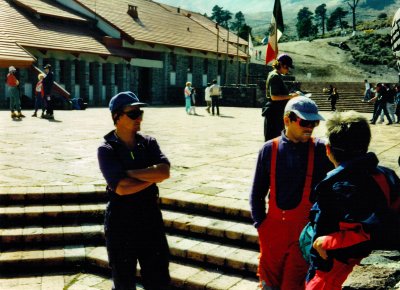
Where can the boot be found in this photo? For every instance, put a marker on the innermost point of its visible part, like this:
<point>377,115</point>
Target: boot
<point>20,115</point>
<point>13,115</point>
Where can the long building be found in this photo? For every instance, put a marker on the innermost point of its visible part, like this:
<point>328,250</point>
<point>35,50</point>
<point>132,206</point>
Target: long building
<point>100,47</point>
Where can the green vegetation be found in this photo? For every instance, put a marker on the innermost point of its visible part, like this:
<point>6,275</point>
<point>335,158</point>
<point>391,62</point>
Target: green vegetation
<point>373,49</point>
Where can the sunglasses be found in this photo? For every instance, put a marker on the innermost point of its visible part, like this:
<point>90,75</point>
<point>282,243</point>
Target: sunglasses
<point>134,114</point>
<point>307,123</point>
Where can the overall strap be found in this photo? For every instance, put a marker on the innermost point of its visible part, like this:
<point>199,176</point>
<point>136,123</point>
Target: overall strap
<point>309,173</point>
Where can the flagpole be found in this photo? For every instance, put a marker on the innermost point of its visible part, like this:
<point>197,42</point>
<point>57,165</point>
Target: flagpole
<point>226,59</point>
<point>237,55</point>
<point>217,27</point>
<point>248,61</point>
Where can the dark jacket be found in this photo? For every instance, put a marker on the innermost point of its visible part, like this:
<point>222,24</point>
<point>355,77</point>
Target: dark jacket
<point>350,195</point>
<point>48,82</point>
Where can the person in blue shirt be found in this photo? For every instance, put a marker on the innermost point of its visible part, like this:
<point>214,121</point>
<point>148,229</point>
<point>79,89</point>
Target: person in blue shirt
<point>132,165</point>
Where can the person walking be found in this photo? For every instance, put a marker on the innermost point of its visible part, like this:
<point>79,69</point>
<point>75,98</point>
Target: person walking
<point>188,93</point>
<point>277,96</point>
<point>132,165</point>
<point>382,98</point>
<point>193,100</point>
<point>48,82</point>
<point>333,97</point>
<point>39,96</point>
<point>215,93</point>
<point>351,210</point>
<point>367,91</point>
<point>207,97</point>
<point>13,93</point>
<point>287,167</point>
<point>397,103</point>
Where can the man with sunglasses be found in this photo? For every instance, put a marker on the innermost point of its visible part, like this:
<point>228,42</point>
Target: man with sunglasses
<point>287,169</point>
<point>132,164</point>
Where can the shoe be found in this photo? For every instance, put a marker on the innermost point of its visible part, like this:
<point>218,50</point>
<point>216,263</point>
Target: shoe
<point>34,115</point>
<point>372,123</point>
<point>21,115</point>
<point>389,123</point>
<point>13,115</point>
<point>42,115</point>
<point>50,117</point>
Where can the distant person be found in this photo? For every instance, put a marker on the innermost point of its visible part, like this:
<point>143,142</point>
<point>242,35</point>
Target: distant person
<point>382,98</point>
<point>13,93</point>
<point>288,167</point>
<point>215,93</point>
<point>132,165</point>
<point>207,97</point>
<point>193,104</point>
<point>333,97</point>
<point>188,93</point>
<point>367,91</point>
<point>351,215</point>
<point>259,55</point>
<point>397,103</point>
<point>39,96</point>
<point>277,96</point>
<point>48,82</point>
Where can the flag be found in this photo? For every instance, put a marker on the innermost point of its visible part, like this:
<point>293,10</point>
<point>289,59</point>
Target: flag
<point>276,32</point>
<point>251,47</point>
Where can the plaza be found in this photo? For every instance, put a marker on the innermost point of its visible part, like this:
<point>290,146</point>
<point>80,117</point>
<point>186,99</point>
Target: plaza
<point>212,158</point>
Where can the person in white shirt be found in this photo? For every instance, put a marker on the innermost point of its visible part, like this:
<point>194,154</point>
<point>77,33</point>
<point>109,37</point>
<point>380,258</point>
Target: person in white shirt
<point>215,93</point>
<point>207,97</point>
<point>367,92</point>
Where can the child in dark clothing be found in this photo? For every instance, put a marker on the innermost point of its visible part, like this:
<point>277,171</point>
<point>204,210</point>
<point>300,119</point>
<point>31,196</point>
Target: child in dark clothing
<point>351,207</point>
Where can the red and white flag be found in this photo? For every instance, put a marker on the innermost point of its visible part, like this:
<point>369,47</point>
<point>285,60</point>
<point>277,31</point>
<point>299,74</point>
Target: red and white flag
<point>275,34</point>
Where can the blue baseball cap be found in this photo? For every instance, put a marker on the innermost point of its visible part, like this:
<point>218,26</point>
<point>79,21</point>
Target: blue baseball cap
<point>123,99</point>
<point>304,108</point>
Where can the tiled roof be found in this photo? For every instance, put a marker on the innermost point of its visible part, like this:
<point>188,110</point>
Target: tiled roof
<point>45,8</point>
<point>158,24</point>
<point>12,54</point>
<point>209,24</point>
<point>30,32</point>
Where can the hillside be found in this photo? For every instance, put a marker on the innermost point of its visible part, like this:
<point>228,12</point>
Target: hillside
<point>327,63</point>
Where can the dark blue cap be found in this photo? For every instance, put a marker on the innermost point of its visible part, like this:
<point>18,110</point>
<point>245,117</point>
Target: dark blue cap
<point>123,99</point>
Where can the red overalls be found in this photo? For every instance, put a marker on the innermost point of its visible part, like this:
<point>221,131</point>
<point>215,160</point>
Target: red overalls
<point>281,264</point>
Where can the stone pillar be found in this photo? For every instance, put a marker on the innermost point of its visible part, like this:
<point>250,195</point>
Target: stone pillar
<point>110,81</point>
<point>3,90</point>
<point>212,70</point>
<point>197,72</point>
<point>121,77</point>
<point>98,98</point>
<point>182,63</point>
<point>69,74</point>
<point>56,70</point>
<point>84,80</point>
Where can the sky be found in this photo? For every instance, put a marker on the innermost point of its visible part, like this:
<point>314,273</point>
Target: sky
<point>202,6</point>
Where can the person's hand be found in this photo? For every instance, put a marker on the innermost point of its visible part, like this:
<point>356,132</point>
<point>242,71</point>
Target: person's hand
<point>317,245</point>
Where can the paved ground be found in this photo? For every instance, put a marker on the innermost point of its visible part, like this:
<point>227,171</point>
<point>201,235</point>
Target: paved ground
<point>210,155</point>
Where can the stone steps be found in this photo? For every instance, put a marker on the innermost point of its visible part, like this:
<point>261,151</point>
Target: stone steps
<point>212,241</point>
<point>347,101</point>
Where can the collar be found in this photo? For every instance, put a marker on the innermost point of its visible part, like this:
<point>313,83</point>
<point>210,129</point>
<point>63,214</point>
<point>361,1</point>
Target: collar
<point>112,137</point>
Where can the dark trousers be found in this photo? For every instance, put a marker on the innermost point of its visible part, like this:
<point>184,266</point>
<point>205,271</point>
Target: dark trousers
<point>137,237</point>
<point>273,122</point>
<point>382,106</point>
<point>215,104</point>
<point>49,104</point>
